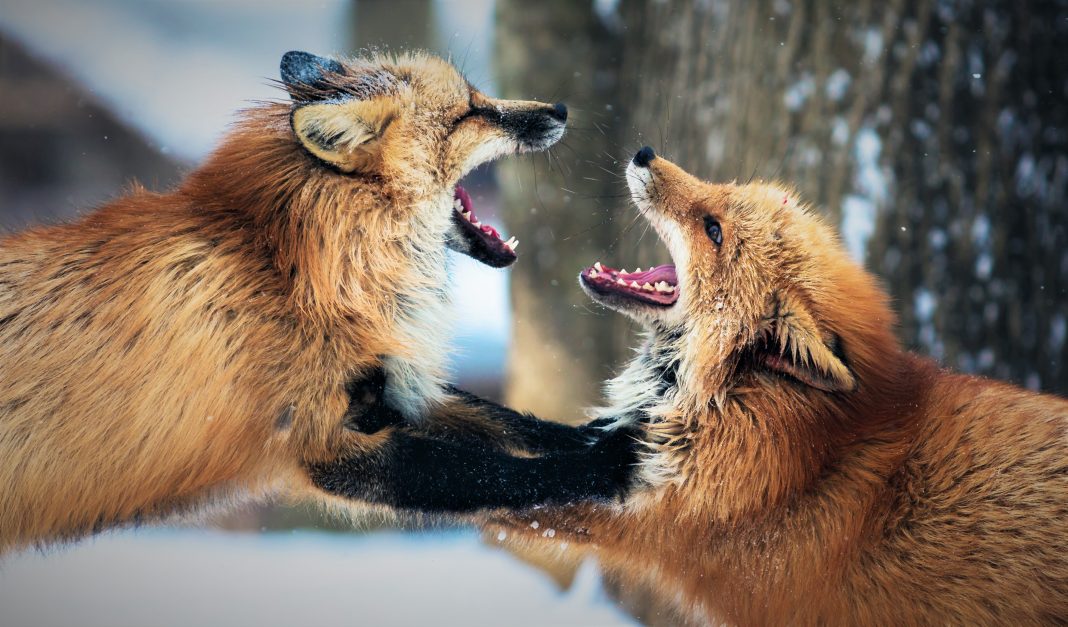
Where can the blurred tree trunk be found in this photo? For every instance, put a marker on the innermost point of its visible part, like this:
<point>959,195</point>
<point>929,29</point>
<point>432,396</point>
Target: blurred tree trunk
<point>974,244</point>
<point>558,205</point>
<point>393,24</point>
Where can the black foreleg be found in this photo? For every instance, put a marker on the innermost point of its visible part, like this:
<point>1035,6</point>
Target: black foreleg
<point>529,432</point>
<point>418,473</point>
<point>466,418</point>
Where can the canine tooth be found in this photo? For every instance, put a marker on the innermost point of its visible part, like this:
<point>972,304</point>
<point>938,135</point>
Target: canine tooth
<point>593,274</point>
<point>515,243</point>
<point>466,215</point>
<point>598,266</point>
<point>647,287</point>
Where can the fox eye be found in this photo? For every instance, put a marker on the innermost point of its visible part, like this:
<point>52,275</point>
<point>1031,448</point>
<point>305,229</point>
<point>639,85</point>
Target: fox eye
<point>714,230</point>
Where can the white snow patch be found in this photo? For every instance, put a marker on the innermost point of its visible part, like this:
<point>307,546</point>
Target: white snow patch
<point>839,130</point>
<point>163,577</point>
<point>858,224</point>
<point>796,94</point>
<point>837,84</point>
<point>1058,330</point>
<point>981,230</point>
<point>608,12</point>
<point>924,304</point>
<point>873,45</point>
<point>984,265</point>
<point>859,210</point>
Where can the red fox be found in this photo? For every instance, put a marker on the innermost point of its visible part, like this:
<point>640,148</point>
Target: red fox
<point>172,351</point>
<point>801,467</point>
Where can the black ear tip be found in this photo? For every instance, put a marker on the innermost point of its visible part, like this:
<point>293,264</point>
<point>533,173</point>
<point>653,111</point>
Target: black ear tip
<point>291,63</point>
<point>298,66</point>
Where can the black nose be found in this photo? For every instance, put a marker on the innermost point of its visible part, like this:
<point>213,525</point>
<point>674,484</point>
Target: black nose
<point>560,111</point>
<point>644,156</point>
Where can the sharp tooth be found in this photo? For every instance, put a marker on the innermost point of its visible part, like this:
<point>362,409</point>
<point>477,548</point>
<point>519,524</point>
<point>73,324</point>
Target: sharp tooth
<point>466,215</point>
<point>637,270</point>
<point>598,266</point>
<point>662,286</point>
<point>593,274</point>
<point>647,287</point>
<point>620,281</point>
<point>476,222</point>
<point>635,285</point>
<point>515,243</point>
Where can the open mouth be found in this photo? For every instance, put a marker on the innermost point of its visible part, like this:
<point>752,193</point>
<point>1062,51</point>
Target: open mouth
<point>478,240</point>
<point>657,287</point>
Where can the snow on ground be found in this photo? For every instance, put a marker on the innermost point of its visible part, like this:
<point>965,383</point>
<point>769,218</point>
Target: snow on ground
<point>164,577</point>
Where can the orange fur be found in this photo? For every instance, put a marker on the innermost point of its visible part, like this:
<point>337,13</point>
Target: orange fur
<point>170,351</point>
<point>910,495</point>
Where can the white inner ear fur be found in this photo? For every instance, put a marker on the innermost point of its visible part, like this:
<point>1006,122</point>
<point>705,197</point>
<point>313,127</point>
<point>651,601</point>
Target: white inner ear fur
<point>342,133</point>
<point>799,337</point>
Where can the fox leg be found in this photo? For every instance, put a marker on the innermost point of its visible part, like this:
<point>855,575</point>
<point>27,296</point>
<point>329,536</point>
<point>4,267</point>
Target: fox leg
<point>461,459</point>
<point>412,471</point>
<point>465,417</point>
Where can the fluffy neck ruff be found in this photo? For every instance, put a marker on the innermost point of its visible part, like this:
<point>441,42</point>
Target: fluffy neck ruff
<point>744,441</point>
<point>365,253</point>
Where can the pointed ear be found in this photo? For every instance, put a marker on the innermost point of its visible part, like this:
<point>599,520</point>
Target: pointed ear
<point>344,134</point>
<point>798,348</point>
<point>305,72</point>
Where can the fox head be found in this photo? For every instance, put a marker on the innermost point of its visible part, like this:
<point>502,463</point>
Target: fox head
<point>357,173</point>
<point>415,123</point>
<point>760,287</point>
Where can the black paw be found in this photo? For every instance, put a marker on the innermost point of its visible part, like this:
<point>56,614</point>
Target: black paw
<point>617,452</point>
<point>367,411</point>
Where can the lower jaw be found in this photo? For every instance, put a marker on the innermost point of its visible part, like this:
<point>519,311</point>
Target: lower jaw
<point>479,241</point>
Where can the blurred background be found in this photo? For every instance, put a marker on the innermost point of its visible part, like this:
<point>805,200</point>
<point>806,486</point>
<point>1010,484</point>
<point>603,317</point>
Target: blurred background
<point>935,133</point>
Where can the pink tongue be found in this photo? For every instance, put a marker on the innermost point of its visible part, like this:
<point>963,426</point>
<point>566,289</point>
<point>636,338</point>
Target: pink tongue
<point>465,200</point>
<point>665,272</point>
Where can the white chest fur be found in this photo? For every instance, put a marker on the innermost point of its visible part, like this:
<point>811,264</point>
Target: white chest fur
<point>415,379</point>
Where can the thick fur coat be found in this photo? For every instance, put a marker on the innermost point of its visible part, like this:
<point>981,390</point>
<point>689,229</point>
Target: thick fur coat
<point>171,351</point>
<point>801,467</point>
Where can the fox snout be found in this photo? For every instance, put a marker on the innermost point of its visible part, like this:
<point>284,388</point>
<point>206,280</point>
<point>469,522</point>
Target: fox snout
<point>535,126</point>
<point>658,184</point>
